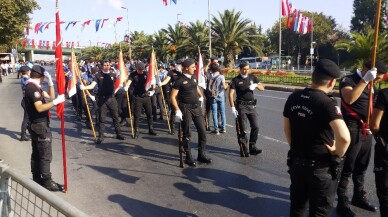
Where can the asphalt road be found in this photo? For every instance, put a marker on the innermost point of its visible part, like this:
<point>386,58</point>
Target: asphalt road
<point>142,178</point>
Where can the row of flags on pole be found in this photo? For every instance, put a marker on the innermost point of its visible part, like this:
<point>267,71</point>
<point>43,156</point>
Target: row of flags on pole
<point>99,24</point>
<point>296,20</point>
<point>42,44</point>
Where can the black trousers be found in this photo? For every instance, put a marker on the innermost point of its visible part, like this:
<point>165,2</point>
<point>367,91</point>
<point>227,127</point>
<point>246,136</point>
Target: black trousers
<point>314,186</point>
<point>193,113</point>
<point>357,160</point>
<point>121,98</point>
<point>140,103</point>
<point>106,104</point>
<point>156,100</point>
<point>381,177</point>
<point>41,156</point>
<point>26,120</point>
<point>248,113</point>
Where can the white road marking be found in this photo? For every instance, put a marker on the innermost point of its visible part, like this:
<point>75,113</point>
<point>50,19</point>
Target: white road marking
<point>265,137</point>
<point>273,97</point>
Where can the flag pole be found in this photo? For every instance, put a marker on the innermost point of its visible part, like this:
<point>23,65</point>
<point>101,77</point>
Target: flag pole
<point>161,91</point>
<point>61,90</point>
<point>373,59</point>
<point>84,95</point>
<point>210,28</point>
<point>280,35</point>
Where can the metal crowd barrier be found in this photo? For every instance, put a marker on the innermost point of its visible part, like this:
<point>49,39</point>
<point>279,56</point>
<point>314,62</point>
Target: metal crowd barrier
<point>21,196</point>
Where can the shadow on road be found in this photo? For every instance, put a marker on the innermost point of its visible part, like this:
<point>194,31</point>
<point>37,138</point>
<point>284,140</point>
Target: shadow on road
<point>12,134</point>
<point>236,192</point>
<point>136,207</point>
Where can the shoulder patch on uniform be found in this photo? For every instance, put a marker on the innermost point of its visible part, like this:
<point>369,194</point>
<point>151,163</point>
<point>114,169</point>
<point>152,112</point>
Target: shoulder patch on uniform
<point>338,110</point>
<point>37,94</point>
<point>344,79</point>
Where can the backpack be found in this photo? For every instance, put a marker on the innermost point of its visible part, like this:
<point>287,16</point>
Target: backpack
<point>212,88</point>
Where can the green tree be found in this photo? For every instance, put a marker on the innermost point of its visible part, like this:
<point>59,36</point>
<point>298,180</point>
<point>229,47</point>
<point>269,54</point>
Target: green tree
<point>231,34</point>
<point>176,36</point>
<point>13,20</point>
<point>160,43</point>
<point>325,34</point>
<point>93,53</point>
<point>364,15</point>
<point>141,45</point>
<point>360,47</point>
<point>197,37</point>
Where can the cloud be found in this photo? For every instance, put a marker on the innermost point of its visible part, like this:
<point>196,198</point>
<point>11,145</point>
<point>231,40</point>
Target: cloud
<point>116,3</point>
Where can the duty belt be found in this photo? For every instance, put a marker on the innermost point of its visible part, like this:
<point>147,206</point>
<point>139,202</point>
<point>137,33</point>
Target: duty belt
<point>241,102</point>
<point>309,163</point>
<point>191,106</point>
<point>142,95</point>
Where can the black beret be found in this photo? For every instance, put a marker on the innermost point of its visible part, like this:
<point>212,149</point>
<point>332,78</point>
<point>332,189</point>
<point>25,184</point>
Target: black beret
<point>179,61</point>
<point>188,62</point>
<point>24,69</point>
<point>328,67</point>
<point>38,69</point>
<point>243,64</point>
<point>140,66</point>
<point>95,69</point>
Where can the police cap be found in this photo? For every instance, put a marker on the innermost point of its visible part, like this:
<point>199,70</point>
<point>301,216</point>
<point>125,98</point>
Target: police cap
<point>24,69</point>
<point>179,61</point>
<point>381,68</point>
<point>38,69</point>
<point>188,62</point>
<point>140,66</point>
<point>328,67</point>
<point>243,64</point>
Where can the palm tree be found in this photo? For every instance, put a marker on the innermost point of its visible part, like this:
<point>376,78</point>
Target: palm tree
<point>360,47</point>
<point>160,43</point>
<point>196,37</point>
<point>231,34</point>
<point>141,45</point>
<point>175,37</point>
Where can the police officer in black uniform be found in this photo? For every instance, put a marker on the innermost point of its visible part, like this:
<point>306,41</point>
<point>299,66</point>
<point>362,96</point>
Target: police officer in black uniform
<point>173,75</point>
<point>25,76</point>
<point>142,97</point>
<point>186,98</point>
<point>354,92</point>
<point>106,100</point>
<point>244,108</point>
<point>379,127</point>
<point>318,138</point>
<point>41,138</point>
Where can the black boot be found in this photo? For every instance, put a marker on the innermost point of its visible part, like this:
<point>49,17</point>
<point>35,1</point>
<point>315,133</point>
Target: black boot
<point>136,133</point>
<point>189,159</point>
<point>120,137</point>
<point>203,158</point>
<point>23,137</point>
<point>343,207</point>
<point>50,185</point>
<point>253,150</point>
<point>151,131</point>
<point>37,178</point>
<point>245,150</point>
<point>100,139</point>
<point>359,199</point>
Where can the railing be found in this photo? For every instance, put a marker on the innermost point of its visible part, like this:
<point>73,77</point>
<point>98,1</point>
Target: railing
<point>20,196</point>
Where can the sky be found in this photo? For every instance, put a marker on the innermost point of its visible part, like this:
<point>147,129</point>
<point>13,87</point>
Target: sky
<point>152,15</point>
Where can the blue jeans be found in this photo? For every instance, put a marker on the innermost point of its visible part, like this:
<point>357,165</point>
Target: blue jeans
<point>218,104</point>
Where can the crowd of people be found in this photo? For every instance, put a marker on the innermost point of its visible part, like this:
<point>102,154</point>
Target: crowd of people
<point>328,144</point>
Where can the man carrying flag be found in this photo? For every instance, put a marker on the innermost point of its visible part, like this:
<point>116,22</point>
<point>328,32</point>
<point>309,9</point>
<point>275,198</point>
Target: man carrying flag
<point>143,89</point>
<point>41,138</point>
<point>106,100</point>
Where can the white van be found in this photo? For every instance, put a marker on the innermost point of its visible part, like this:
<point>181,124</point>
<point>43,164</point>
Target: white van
<point>254,62</point>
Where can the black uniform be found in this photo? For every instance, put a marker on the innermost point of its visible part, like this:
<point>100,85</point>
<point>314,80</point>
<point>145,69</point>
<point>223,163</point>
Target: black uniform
<point>174,76</point>
<point>190,107</point>
<point>359,151</point>
<point>26,120</point>
<point>246,107</point>
<point>41,138</point>
<point>107,101</point>
<point>381,154</point>
<point>142,100</point>
<point>310,111</point>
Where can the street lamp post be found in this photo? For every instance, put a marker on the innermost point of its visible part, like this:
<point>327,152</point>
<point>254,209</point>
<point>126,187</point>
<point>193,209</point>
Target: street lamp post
<point>177,18</point>
<point>129,36</point>
<point>311,54</point>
